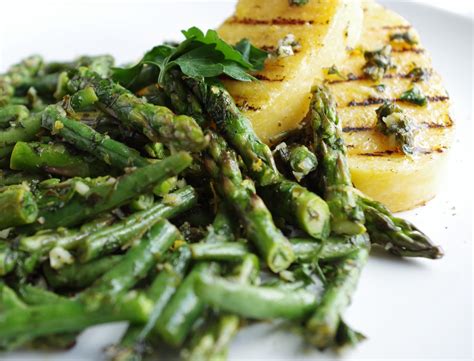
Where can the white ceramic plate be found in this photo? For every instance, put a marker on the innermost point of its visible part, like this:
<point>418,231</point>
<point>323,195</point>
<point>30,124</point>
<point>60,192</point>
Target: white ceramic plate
<point>409,309</point>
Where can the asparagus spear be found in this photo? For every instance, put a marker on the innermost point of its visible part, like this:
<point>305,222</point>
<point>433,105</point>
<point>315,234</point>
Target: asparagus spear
<point>165,285</point>
<point>79,276</point>
<point>257,220</point>
<point>252,301</point>
<point>174,93</point>
<point>44,85</point>
<point>307,210</point>
<point>17,206</point>
<point>6,89</point>
<point>182,100</point>
<point>123,233</point>
<point>224,228</point>
<point>23,71</point>
<point>182,310</point>
<point>346,215</point>
<point>34,295</point>
<point>106,125</point>
<point>156,122</point>
<point>8,177</point>
<point>54,158</point>
<point>396,235</point>
<point>306,250</point>
<point>302,161</point>
<point>45,77</point>
<point>225,251</point>
<point>81,100</point>
<point>334,248</point>
<point>15,261</point>
<point>42,242</point>
<point>69,316</point>
<point>213,339</point>
<point>212,344</point>
<point>87,139</point>
<point>135,264</point>
<point>299,159</point>
<point>237,129</point>
<point>12,113</point>
<point>323,324</point>
<point>9,299</point>
<point>291,201</point>
<point>132,346</point>
<point>185,307</point>
<point>347,337</point>
<point>101,64</point>
<point>23,130</point>
<point>101,196</point>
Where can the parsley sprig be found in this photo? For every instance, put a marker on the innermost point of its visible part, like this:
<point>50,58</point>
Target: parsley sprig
<point>199,55</point>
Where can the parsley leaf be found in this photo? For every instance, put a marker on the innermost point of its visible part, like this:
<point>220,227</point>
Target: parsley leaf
<point>155,56</point>
<point>251,54</point>
<point>199,55</point>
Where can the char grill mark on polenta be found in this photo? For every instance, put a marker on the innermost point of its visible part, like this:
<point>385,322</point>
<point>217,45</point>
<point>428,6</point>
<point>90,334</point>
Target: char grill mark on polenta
<point>274,21</point>
<point>244,106</point>
<point>389,152</point>
<point>262,77</point>
<point>424,124</point>
<point>409,50</point>
<point>372,101</point>
<point>363,77</point>
<point>395,27</point>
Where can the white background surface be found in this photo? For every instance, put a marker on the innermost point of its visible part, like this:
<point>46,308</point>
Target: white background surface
<point>463,7</point>
<point>409,309</point>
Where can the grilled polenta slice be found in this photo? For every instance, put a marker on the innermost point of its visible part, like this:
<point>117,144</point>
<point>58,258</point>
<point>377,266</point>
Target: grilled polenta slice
<point>322,30</point>
<point>377,165</point>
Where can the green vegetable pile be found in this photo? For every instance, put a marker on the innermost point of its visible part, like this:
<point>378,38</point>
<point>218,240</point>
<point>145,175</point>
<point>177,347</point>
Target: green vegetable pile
<point>142,194</point>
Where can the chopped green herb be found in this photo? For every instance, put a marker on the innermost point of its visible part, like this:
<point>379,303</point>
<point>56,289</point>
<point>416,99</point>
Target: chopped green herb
<point>377,62</point>
<point>298,2</point>
<point>351,76</point>
<point>415,96</point>
<point>199,55</point>
<point>406,37</point>
<point>379,87</point>
<point>334,71</point>
<point>418,74</point>
<point>393,122</point>
<point>287,46</point>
